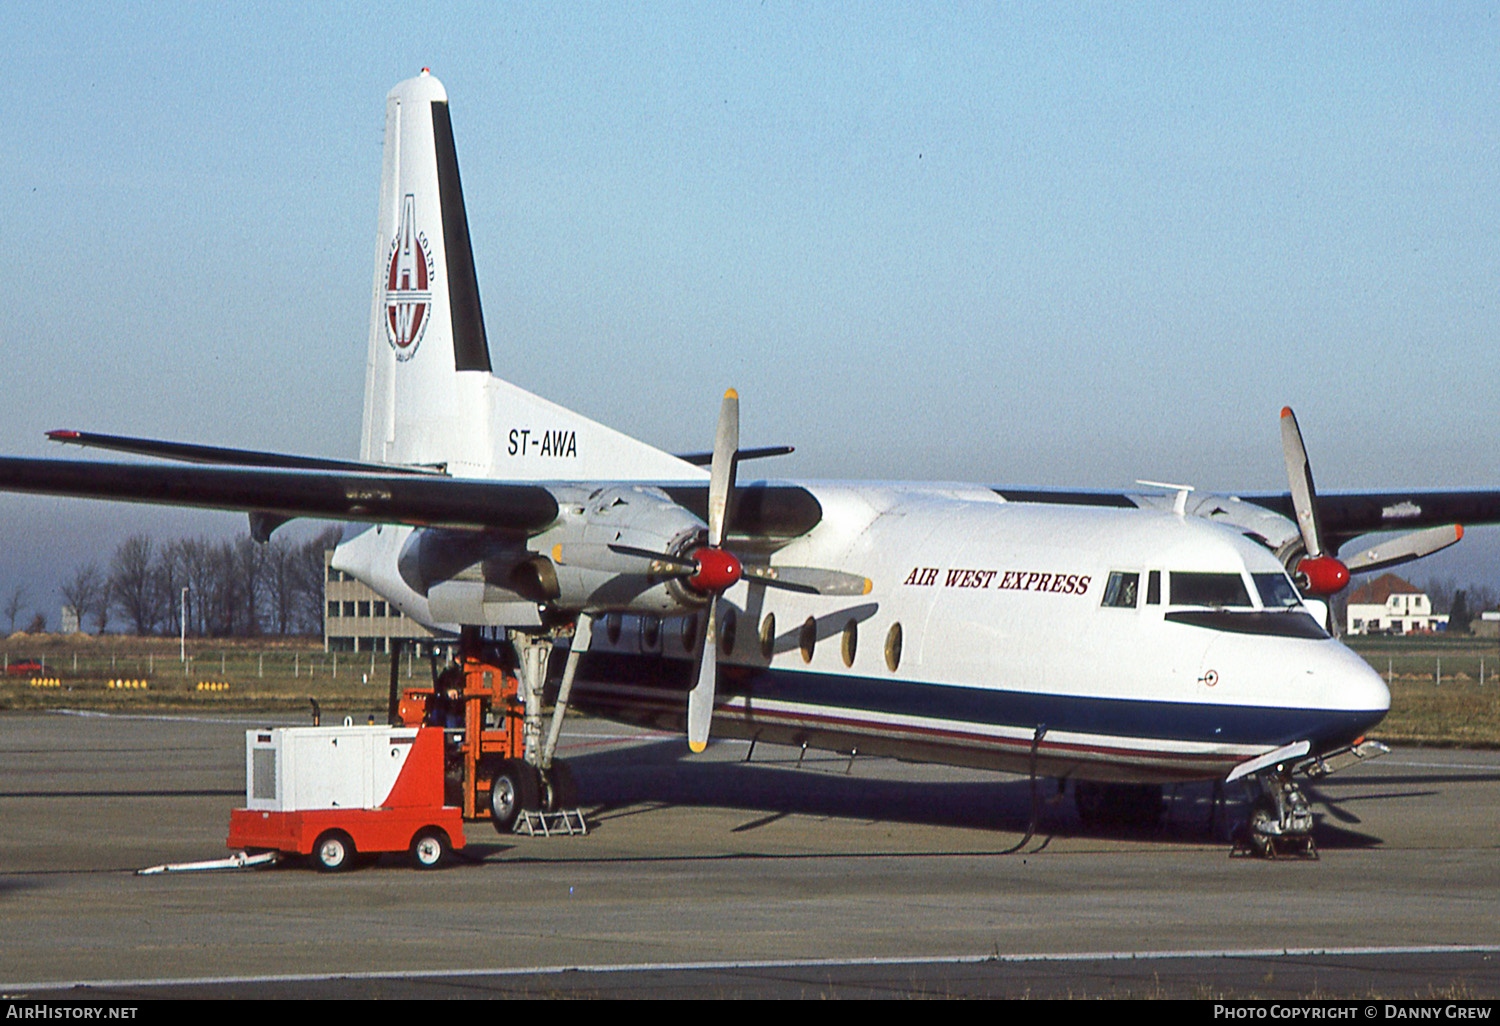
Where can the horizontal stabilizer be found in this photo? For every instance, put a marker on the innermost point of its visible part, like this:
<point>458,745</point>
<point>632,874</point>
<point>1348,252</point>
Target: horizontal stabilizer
<point>703,459</point>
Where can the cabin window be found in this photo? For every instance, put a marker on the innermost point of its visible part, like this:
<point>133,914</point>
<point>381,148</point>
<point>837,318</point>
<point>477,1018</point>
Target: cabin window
<point>850,642</point>
<point>1276,591</point>
<point>726,631</point>
<point>689,632</point>
<point>893,647</point>
<point>1121,589</point>
<point>612,624</point>
<point>1153,588</point>
<point>1202,589</point>
<point>807,638</point>
<point>650,633</point>
<point>768,636</point>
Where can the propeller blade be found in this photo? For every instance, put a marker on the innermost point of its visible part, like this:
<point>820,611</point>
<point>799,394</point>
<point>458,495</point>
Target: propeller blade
<point>1299,476</point>
<point>722,471</point>
<point>701,698</point>
<point>809,579</point>
<point>1392,551</point>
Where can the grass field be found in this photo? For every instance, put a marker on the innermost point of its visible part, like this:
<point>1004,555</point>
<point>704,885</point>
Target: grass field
<point>1444,691</point>
<point>127,673</point>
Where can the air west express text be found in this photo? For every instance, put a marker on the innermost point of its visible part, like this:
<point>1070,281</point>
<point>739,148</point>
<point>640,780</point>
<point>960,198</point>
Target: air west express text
<point>1000,580</point>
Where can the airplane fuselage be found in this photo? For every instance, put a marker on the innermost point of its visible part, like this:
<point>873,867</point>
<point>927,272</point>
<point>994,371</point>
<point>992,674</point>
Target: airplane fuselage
<point>1129,644</point>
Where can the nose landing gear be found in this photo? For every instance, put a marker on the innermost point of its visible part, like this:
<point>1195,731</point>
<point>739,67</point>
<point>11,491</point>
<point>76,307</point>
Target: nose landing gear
<point>1280,822</point>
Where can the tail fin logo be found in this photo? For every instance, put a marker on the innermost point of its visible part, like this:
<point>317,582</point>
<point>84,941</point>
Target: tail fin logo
<point>408,288</point>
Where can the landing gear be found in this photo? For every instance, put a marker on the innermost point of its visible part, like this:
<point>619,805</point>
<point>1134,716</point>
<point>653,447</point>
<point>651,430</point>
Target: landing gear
<point>559,788</point>
<point>518,787</point>
<point>1117,806</point>
<point>1280,823</point>
<point>515,787</point>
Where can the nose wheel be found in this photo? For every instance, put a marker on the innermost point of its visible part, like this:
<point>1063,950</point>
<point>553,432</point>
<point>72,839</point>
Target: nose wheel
<point>1280,823</point>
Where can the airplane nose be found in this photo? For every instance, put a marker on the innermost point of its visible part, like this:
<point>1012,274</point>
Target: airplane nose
<point>1352,686</point>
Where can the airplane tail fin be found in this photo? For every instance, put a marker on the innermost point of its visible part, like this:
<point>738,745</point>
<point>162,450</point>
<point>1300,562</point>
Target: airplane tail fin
<point>430,393</point>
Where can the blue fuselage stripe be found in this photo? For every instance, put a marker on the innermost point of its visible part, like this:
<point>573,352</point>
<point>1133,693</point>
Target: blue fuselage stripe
<point>990,707</point>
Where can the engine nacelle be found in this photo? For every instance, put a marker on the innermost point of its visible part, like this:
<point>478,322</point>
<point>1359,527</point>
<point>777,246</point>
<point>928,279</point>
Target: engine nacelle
<point>495,580</point>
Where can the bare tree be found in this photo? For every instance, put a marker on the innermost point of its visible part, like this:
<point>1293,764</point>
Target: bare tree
<point>82,591</point>
<point>133,583</point>
<point>249,569</point>
<point>15,604</point>
<point>281,584</point>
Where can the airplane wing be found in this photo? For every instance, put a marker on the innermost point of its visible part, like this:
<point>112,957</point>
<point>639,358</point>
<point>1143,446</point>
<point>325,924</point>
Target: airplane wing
<point>418,500</point>
<point>190,453</point>
<point>765,512</point>
<point>1348,515</point>
<point>1343,515</point>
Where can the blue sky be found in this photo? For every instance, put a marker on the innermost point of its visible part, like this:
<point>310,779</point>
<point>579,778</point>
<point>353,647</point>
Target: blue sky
<point>1055,244</point>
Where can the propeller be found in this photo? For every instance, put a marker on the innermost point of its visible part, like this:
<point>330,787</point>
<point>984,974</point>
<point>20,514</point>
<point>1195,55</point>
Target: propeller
<point>718,571</point>
<point>1320,572</point>
<point>710,570</point>
<point>1404,548</point>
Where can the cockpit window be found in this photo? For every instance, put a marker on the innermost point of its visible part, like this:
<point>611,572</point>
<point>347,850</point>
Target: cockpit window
<point>1204,589</point>
<point>1121,589</point>
<point>1276,591</point>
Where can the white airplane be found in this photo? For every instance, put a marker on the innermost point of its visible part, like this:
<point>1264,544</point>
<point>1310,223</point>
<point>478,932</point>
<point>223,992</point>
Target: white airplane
<point>1117,640</point>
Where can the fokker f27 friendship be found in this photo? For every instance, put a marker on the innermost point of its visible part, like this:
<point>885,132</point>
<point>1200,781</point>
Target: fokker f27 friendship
<point>1117,640</point>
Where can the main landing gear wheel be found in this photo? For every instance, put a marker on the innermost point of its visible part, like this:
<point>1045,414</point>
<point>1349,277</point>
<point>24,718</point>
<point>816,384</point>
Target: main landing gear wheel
<point>334,852</point>
<point>559,788</point>
<point>430,849</point>
<point>515,786</point>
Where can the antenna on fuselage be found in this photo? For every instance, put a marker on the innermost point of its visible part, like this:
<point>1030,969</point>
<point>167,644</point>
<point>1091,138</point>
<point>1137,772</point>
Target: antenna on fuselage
<point>1179,504</point>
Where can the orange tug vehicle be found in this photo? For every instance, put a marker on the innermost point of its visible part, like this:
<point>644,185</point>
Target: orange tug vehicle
<point>452,752</point>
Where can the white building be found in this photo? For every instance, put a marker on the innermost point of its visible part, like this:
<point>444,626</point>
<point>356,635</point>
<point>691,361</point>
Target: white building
<point>1390,605</point>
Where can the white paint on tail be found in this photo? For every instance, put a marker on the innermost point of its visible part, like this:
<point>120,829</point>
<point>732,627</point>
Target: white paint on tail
<point>430,396</point>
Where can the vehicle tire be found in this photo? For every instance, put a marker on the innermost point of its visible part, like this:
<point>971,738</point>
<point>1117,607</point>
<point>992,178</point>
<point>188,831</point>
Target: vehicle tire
<point>560,788</point>
<point>430,849</point>
<point>334,852</point>
<point>515,786</point>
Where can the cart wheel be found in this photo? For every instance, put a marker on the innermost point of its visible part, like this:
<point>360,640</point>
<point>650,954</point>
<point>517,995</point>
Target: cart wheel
<point>561,789</point>
<point>515,787</point>
<point>430,848</point>
<point>334,851</point>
